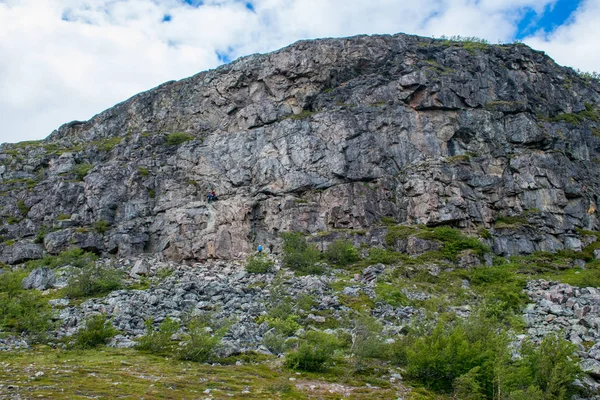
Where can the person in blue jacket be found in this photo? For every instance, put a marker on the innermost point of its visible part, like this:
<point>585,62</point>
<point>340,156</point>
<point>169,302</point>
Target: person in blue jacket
<point>259,248</point>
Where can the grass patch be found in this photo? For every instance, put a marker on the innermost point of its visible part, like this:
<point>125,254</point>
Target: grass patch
<point>177,138</point>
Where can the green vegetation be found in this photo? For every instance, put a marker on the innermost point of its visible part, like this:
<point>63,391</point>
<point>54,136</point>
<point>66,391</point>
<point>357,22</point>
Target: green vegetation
<point>454,241</point>
<point>23,209</point>
<point>201,341</point>
<point>299,255</point>
<point>63,217</point>
<point>342,253</point>
<point>302,115</point>
<point>106,144</point>
<point>143,171</point>
<point>97,332</point>
<point>314,352</point>
<point>81,170</point>
<point>75,257</point>
<point>130,374</point>
<point>589,76</point>
<point>589,114</point>
<point>152,193</point>
<point>177,138</point>
<point>158,342</point>
<point>510,221</point>
<point>22,311</point>
<point>101,226</point>
<point>93,280</point>
<point>470,43</point>
<point>473,356</point>
<point>259,264</point>
<point>199,344</point>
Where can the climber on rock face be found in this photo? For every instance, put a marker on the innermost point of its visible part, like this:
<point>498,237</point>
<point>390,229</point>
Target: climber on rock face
<point>259,248</point>
<point>212,196</point>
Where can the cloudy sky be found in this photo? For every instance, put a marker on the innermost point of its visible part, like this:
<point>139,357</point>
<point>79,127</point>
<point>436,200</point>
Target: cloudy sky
<point>64,60</point>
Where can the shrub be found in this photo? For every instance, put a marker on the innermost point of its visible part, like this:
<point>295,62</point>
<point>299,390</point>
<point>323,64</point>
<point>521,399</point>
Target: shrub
<point>97,331</point>
<point>367,341</point>
<point>158,342</point>
<point>75,257</point>
<point>23,311</point>
<point>177,138</point>
<point>202,341</point>
<point>275,342</point>
<point>548,368</point>
<point>92,280</point>
<point>259,264</point>
<point>285,325</point>
<point>342,252</point>
<point>453,348</point>
<point>101,226</point>
<point>314,352</point>
<point>299,255</point>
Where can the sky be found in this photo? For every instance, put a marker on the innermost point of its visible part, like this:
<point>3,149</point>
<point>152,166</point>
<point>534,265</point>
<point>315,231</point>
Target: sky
<point>64,60</point>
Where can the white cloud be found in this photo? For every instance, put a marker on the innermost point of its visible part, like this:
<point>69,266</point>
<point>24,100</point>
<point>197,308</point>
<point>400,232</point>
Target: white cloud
<point>69,59</point>
<point>576,42</point>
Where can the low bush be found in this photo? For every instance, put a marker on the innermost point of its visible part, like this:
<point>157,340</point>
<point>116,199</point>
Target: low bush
<point>158,341</point>
<point>259,264</point>
<point>314,352</point>
<point>299,255</point>
<point>367,340</point>
<point>202,340</point>
<point>97,332</point>
<point>23,311</point>
<point>92,280</point>
<point>342,253</point>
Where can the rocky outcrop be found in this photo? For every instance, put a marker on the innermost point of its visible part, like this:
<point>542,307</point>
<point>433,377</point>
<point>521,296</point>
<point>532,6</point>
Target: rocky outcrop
<point>40,279</point>
<point>321,135</point>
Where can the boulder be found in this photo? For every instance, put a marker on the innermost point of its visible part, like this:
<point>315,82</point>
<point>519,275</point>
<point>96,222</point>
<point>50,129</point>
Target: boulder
<point>40,279</point>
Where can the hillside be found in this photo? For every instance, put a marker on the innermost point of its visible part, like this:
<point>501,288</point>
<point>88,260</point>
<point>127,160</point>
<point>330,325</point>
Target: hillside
<point>402,188</point>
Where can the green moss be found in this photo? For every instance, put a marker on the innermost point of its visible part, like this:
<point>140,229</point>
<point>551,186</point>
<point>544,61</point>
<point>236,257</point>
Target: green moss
<point>152,193</point>
<point>63,217</point>
<point>9,242</point>
<point>484,233</point>
<point>360,303</point>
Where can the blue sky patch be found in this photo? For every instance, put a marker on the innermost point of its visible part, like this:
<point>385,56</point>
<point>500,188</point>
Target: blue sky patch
<point>551,18</point>
<point>250,6</point>
<point>167,18</point>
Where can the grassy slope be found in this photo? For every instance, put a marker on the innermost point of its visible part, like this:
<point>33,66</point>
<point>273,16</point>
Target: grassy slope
<point>121,373</point>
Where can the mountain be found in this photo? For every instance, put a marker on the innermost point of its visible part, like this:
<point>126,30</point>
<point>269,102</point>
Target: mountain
<point>337,137</point>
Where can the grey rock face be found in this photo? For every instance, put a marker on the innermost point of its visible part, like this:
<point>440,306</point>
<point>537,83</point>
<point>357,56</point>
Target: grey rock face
<point>321,135</point>
<point>40,279</point>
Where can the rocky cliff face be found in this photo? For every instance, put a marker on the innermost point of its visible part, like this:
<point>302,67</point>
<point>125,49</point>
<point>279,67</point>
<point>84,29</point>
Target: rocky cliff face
<point>326,135</point>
